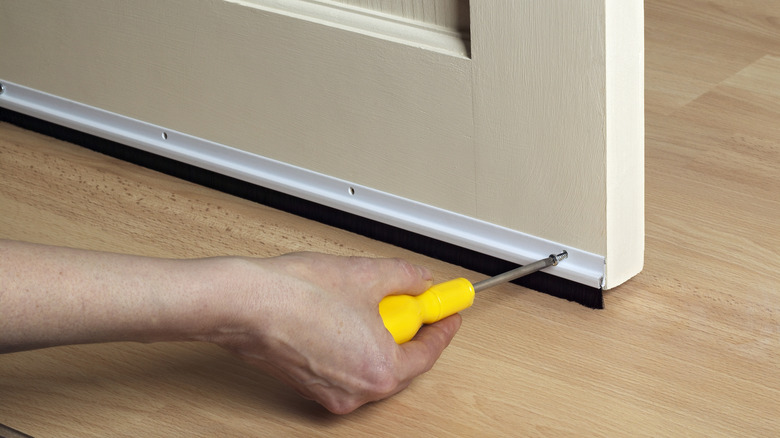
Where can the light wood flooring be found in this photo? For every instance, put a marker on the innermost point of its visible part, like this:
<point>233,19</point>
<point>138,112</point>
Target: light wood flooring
<point>690,347</point>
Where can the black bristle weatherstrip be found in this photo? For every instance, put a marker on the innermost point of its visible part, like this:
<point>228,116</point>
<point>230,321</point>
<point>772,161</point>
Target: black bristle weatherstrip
<point>9,432</point>
<point>466,258</point>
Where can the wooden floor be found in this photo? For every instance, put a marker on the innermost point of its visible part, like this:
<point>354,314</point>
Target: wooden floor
<point>690,347</point>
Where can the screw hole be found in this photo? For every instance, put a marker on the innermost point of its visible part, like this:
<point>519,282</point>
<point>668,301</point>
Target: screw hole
<point>2,88</point>
<point>165,136</point>
<point>352,191</point>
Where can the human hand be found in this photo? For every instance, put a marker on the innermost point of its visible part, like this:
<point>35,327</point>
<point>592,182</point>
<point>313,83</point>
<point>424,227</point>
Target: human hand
<point>312,320</point>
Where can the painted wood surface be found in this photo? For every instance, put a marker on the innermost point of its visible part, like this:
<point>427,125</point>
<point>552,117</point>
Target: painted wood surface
<point>624,135</point>
<point>449,14</point>
<point>540,115</point>
<point>334,101</point>
<point>521,133</point>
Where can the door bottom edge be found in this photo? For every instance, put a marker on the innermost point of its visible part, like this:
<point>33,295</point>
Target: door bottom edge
<point>466,241</point>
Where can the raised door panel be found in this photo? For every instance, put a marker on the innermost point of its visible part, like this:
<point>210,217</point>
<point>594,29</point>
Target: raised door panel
<point>287,87</point>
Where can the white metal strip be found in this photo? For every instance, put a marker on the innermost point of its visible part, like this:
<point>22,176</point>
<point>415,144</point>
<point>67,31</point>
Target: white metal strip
<point>484,237</point>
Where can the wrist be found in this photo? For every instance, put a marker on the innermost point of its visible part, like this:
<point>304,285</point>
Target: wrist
<point>219,308</point>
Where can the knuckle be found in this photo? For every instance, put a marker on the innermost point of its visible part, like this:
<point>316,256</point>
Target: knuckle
<point>407,270</point>
<point>406,266</point>
<point>342,407</point>
<point>383,381</point>
<point>385,385</point>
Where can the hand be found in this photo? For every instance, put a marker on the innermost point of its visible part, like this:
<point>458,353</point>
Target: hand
<point>312,321</point>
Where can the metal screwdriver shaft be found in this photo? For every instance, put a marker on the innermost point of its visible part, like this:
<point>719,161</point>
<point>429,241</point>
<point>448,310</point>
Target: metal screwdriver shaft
<point>403,315</point>
<point>514,274</point>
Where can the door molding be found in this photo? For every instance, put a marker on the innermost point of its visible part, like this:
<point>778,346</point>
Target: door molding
<point>371,23</point>
<point>484,237</point>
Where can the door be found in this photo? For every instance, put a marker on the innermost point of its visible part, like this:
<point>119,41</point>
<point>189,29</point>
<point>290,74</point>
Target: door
<point>513,127</point>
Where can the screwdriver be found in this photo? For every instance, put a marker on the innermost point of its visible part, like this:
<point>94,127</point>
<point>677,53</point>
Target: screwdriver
<point>403,315</point>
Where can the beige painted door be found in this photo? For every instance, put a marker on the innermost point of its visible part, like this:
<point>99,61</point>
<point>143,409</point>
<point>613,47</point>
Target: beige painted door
<point>517,126</point>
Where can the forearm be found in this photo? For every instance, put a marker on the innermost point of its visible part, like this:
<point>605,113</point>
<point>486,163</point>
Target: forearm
<point>55,296</point>
<point>309,319</point>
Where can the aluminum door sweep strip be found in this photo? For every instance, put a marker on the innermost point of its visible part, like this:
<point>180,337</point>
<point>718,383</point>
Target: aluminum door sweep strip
<point>514,246</point>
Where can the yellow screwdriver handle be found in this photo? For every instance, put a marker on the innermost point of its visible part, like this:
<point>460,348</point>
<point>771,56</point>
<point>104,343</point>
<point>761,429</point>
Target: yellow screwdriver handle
<point>403,315</point>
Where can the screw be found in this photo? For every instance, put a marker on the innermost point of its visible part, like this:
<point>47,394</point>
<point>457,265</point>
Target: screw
<point>556,258</point>
<point>2,88</point>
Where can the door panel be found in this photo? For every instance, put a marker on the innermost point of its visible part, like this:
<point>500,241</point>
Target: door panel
<point>285,88</point>
<point>523,130</point>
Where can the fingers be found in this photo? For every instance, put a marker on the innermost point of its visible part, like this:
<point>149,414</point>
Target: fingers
<point>416,357</point>
<point>367,365</point>
<point>422,352</point>
<point>397,276</point>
